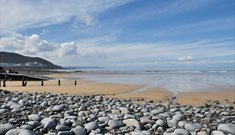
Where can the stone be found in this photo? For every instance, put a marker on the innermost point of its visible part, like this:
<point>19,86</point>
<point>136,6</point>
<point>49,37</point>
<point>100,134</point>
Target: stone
<point>79,131</point>
<point>20,132</point>
<point>181,132</point>
<point>182,123</point>
<point>58,108</point>
<point>155,112</point>
<point>217,132</point>
<point>177,117</point>
<point>103,119</point>
<point>146,120</point>
<point>192,126</point>
<point>34,123</point>
<point>44,104</point>
<point>124,110</point>
<point>114,124</point>
<point>160,122</point>
<point>62,128</point>
<point>133,122</point>
<point>91,126</point>
<point>26,127</point>
<point>48,123</point>
<point>137,133</point>
<point>202,133</point>
<point>65,133</point>
<point>3,111</point>
<point>34,117</point>
<point>128,116</point>
<point>227,128</point>
<point>5,127</point>
<point>82,108</point>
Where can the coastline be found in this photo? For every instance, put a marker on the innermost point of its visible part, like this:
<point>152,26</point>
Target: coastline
<point>121,91</point>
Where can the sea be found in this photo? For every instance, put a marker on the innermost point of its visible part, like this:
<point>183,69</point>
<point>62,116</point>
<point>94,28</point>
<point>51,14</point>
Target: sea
<point>172,80</point>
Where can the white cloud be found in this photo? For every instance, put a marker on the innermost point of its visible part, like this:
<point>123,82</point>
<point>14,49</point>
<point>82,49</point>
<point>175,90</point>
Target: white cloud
<point>185,58</point>
<point>21,14</point>
<point>44,32</point>
<point>100,51</point>
<point>31,45</point>
<point>66,49</point>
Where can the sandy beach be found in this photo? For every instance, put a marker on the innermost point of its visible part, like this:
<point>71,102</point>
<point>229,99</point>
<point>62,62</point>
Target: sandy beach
<point>121,91</point>
<point>226,95</point>
<point>67,87</point>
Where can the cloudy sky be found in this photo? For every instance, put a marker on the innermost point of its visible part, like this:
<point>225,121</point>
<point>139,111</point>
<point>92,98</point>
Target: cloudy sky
<point>150,34</point>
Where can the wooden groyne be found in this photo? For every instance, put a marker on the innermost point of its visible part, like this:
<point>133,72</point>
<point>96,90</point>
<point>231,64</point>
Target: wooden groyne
<point>20,77</point>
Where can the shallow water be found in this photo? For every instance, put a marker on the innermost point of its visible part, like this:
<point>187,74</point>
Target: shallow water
<point>175,81</point>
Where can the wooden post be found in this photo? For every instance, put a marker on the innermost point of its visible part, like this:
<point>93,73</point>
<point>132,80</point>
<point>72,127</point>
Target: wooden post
<point>23,81</point>
<point>59,82</point>
<point>4,83</point>
<point>41,83</point>
<point>75,82</point>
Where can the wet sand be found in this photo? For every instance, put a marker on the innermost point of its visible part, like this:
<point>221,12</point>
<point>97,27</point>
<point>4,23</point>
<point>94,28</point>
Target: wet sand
<point>121,91</point>
<point>154,94</point>
<point>67,87</point>
<point>224,95</point>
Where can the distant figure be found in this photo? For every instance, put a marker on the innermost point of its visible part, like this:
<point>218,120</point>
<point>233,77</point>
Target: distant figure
<point>41,83</point>
<point>75,82</point>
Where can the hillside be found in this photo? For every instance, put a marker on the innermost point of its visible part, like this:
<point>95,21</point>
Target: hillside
<point>15,60</point>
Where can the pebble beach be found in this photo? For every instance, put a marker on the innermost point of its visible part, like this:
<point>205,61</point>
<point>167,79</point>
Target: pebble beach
<point>23,113</point>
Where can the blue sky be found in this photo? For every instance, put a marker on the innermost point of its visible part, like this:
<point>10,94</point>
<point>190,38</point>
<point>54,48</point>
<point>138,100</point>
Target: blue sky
<point>153,34</point>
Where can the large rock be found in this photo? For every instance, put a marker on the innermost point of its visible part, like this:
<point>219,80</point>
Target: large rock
<point>5,127</point>
<point>133,122</point>
<point>227,128</point>
<point>48,123</point>
<point>91,126</point>
<point>20,132</point>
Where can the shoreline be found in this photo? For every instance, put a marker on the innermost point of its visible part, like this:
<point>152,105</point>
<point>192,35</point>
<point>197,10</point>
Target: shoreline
<point>122,91</point>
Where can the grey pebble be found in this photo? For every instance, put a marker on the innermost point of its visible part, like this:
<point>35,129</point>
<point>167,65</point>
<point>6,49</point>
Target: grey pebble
<point>20,132</point>
<point>5,127</point>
